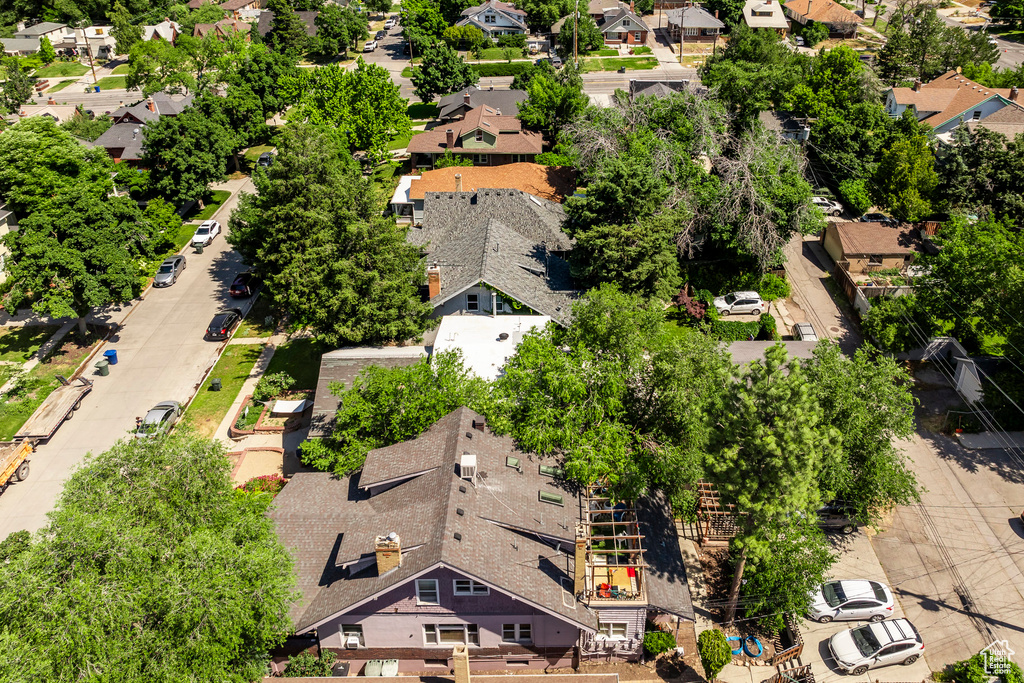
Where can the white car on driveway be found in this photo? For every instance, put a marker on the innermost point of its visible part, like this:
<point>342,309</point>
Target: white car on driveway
<point>740,302</point>
<point>829,206</point>
<point>888,642</point>
<point>851,600</point>
<point>205,233</point>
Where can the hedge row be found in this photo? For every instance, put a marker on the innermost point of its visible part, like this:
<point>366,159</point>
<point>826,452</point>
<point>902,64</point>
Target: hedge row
<point>501,69</point>
<point>764,329</point>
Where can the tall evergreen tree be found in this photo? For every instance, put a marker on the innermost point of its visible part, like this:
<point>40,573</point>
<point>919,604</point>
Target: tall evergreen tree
<point>287,34</point>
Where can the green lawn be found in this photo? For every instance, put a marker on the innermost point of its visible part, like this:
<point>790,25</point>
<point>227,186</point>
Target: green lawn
<point>255,323</point>
<point>402,141</point>
<point>62,69</point>
<point>211,204</point>
<point>300,358</point>
<point>407,72</point>
<point>60,86</point>
<point>642,50</point>
<point>616,63</point>
<point>233,368</point>
<point>39,382</point>
<point>112,83</point>
<point>121,70</point>
<point>498,53</point>
<point>252,155</point>
<point>17,344</point>
<point>1005,32</point>
<point>422,111</point>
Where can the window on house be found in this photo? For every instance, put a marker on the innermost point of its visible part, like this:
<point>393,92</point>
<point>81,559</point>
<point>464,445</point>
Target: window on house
<point>348,631</point>
<point>479,136</point>
<point>613,630</point>
<point>874,260</point>
<point>625,23</point>
<point>426,592</point>
<point>692,31</point>
<point>490,19</point>
<point>472,302</point>
<point>499,305</point>
<point>976,115</point>
<point>430,634</point>
<point>516,633</point>
<point>472,634</point>
<point>448,634</point>
<point>481,159</point>
<point>470,587</point>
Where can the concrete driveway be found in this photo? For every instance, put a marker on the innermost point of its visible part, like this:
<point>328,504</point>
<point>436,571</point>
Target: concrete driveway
<point>161,356</point>
<point>809,267</point>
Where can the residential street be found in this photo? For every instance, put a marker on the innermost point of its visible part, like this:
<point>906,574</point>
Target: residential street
<point>161,356</point>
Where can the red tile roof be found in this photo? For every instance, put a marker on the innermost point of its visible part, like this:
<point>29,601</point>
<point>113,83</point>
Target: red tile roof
<point>824,11</point>
<point>553,183</point>
<point>876,239</point>
<point>950,95</point>
<point>510,137</point>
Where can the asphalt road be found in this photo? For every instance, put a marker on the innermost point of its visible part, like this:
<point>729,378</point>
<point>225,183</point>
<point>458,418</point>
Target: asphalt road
<point>161,356</point>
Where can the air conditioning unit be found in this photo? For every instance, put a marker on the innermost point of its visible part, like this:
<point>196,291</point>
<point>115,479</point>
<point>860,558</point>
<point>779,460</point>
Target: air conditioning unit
<point>467,466</point>
<point>352,642</point>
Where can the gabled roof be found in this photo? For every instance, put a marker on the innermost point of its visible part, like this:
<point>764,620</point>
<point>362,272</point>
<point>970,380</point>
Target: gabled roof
<point>948,96</point>
<point>502,238</point>
<point>125,136</point>
<point>876,239</point>
<point>326,522</point>
<point>599,7</point>
<point>162,102</point>
<point>516,16</point>
<point>505,100</point>
<point>224,26</point>
<point>776,18</point>
<point>266,21</point>
<point>693,17</point>
<point>823,11</point>
<point>511,139</point>
<point>614,19</point>
<point>232,5</point>
<point>39,29</point>
<point>166,29</point>
<point>20,44</point>
<point>553,183</point>
<point>1009,121</point>
<point>58,112</point>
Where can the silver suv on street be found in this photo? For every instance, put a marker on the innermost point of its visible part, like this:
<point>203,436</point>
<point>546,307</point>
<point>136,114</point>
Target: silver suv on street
<point>829,206</point>
<point>740,302</point>
<point>887,642</point>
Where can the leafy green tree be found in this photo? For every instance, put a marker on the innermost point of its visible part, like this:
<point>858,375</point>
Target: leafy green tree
<point>379,6</point>
<point>891,323</point>
<point>287,34</point>
<point>81,126</point>
<point>522,80</point>
<point>979,173</point>
<point>14,545</point>
<point>622,190</point>
<point>125,32</point>
<point>448,159</point>
<point>837,80</point>
<point>164,222</point>
<point>905,180</point>
<point>363,104</point>
<point>17,87</point>
<point>441,72</point>
<point>387,405</point>
<point>729,11</point>
<point>46,52</point>
<point>855,195</point>
<point>159,569</point>
<point>207,13</point>
<point>464,37</point>
<point>615,397</point>
<point>422,25</point>
<point>542,14</point>
<point>451,10</point>
<point>588,38</point>
<point>991,77</point>
<point>188,152</point>
<point>315,231</point>
<point>552,103</point>
<point>714,652</point>
<point>640,257</point>
<point>158,66</point>
<point>265,72</point>
<point>332,34</point>
<point>771,443</point>
<point>813,33</point>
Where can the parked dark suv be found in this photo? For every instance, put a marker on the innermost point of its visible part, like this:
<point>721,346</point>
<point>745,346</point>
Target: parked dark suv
<point>837,516</point>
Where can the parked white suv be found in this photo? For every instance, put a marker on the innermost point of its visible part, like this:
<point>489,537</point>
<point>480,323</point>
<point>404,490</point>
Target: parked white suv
<point>389,24</point>
<point>205,233</point>
<point>740,302</point>
<point>829,206</point>
<point>851,601</point>
<point>868,647</point>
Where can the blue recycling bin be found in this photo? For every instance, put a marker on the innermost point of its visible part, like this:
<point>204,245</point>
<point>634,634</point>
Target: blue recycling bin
<point>111,356</point>
<point>97,88</point>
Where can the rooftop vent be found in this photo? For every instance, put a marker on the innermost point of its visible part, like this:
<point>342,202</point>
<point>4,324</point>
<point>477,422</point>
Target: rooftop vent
<point>462,489</point>
<point>503,336</point>
<point>460,512</point>
<point>467,467</point>
<point>458,536</point>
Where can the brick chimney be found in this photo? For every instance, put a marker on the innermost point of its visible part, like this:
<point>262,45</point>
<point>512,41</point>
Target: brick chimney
<point>917,85</point>
<point>150,104</point>
<point>460,662</point>
<point>434,280</point>
<point>449,138</point>
<point>1014,93</point>
<point>465,97</point>
<point>458,182</point>
<point>579,572</point>
<point>631,9</point>
<point>53,101</point>
<point>389,553</point>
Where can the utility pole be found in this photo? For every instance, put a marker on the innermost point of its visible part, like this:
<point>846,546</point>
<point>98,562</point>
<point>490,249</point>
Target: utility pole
<point>575,36</point>
<point>92,64</point>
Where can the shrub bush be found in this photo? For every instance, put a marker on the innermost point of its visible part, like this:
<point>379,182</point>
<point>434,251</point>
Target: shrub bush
<point>270,386</point>
<point>305,665</point>
<point>268,483</point>
<point>733,330</point>
<point>855,195</point>
<point>889,323</point>
<point>656,642</point>
<point>772,287</point>
<point>714,652</point>
<point>769,328</point>
<point>499,69</point>
<point>814,32</point>
<point>512,40</point>
<point>552,159</point>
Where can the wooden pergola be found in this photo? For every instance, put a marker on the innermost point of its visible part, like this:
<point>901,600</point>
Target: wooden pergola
<point>614,560</point>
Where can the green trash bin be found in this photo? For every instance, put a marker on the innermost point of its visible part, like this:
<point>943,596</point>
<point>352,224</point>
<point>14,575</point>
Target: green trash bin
<point>199,247</point>
<point>103,367</point>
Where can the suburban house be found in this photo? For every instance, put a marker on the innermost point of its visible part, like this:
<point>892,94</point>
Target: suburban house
<point>495,18</point>
<point>458,104</point>
<point>950,100</point>
<point>266,22</point>
<point>457,538</point>
<point>57,33</point>
<point>642,88</point>
<point>786,125</point>
<point>766,14</point>
<point>552,183</point>
<point>861,248</point>
<point>621,26</point>
<point>8,223</point>
<point>95,41</point>
<point>196,4</point>
<point>693,24</point>
<point>240,5</point>
<point>123,140</point>
<point>494,252</point>
<point>58,112</point>
<point>222,29</point>
<point>167,30</point>
<point>1008,121</point>
<point>19,47</point>
<point>486,135</point>
<point>841,22</point>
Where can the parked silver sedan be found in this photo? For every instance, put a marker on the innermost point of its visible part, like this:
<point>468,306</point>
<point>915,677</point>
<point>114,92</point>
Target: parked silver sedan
<point>158,420</point>
<point>848,600</point>
<point>168,272</point>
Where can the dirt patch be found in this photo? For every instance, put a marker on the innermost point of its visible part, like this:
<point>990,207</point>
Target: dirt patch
<point>717,578</point>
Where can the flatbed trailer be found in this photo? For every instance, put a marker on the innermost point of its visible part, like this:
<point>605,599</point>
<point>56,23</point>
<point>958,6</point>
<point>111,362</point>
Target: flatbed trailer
<point>13,462</point>
<point>60,405</point>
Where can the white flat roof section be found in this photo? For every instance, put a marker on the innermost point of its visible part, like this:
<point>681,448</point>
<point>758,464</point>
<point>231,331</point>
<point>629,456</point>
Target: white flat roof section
<point>401,195</point>
<point>479,339</point>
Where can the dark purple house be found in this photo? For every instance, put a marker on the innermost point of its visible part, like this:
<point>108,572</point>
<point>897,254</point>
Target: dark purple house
<point>458,537</point>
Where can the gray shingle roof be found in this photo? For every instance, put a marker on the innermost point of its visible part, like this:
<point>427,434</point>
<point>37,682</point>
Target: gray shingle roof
<point>693,17</point>
<point>667,589</point>
<point>505,100</point>
<point>613,19</point>
<point>326,521</point>
<point>39,29</point>
<point>163,103</point>
<point>501,237</point>
<point>123,136</point>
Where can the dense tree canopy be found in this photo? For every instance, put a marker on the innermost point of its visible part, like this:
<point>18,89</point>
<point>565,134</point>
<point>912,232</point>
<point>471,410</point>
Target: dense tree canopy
<point>981,172</point>
<point>905,179</point>
<point>158,569</point>
<point>553,101</point>
<point>441,72</point>
<point>16,88</point>
<point>329,258</point>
